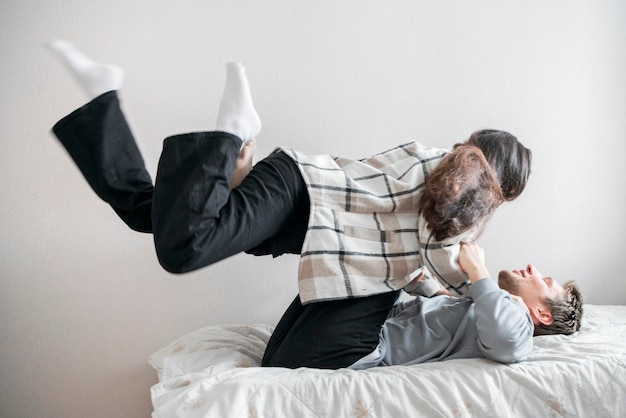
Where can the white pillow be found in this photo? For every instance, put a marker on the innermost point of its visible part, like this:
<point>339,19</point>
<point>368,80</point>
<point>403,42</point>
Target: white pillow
<point>224,346</point>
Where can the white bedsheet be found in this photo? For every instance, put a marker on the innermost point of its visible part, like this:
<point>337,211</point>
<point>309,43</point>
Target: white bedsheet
<point>213,372</point>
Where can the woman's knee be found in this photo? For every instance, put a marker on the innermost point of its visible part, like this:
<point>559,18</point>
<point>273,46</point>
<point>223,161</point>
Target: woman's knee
<point>179,255</point>
<point>174,261</point>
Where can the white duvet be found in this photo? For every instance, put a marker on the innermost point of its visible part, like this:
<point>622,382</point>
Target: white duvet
<point>214,372</point>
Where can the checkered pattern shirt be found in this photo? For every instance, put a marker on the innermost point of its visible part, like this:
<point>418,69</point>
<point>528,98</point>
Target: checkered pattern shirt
<point>364,234</point>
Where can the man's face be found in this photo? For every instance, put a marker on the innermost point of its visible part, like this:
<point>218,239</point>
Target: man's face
<point>529,284</point>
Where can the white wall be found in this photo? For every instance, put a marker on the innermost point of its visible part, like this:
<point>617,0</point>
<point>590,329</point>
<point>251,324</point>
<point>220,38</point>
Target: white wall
<point>83,301</point>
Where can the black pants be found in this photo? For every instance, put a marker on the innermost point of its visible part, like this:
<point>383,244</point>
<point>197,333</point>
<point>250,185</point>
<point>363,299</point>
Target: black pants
<point>328,335</point>
<point>195,218</point>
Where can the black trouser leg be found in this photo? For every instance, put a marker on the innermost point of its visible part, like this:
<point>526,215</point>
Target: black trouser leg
<point>101,144</point>
<point>198,220</point>
<point>195,217</point>
<point>328,335</point>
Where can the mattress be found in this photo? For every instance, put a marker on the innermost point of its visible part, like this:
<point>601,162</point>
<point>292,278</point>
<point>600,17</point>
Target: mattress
<point>214,372</point>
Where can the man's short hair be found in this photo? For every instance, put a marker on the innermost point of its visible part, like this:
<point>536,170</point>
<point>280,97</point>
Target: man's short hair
<point>567,312</point>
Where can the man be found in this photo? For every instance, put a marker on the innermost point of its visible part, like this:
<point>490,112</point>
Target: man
<point>498,321</point>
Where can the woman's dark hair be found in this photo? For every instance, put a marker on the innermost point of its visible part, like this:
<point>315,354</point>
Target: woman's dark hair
<point>472,181</point>
<point>507,156</point>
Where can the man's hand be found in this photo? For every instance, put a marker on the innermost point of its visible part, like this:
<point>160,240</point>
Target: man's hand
<point>472,261</point>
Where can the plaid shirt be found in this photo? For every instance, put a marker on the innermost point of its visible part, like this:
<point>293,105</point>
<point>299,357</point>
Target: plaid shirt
<point>365,235</point>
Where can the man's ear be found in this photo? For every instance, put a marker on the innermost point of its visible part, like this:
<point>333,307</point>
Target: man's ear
<point>541,314</point>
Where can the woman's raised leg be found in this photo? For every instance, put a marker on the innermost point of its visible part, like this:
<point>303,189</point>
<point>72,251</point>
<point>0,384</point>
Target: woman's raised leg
<point>100,142</point>
<point>195,217</point>
<point>198,220</point>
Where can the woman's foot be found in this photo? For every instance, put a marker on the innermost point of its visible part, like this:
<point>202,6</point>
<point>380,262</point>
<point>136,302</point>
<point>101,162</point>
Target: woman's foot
<point>237,114</point>
<point>243,166</point>
<point>94,77</point>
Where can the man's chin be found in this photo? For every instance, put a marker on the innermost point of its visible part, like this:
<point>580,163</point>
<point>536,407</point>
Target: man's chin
<point>506,279</point>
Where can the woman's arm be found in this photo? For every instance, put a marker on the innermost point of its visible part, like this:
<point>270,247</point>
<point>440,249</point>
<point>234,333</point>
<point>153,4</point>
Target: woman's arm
<point>424,284</point>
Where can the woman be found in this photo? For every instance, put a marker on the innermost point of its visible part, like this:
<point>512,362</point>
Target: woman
<point>361,227</point>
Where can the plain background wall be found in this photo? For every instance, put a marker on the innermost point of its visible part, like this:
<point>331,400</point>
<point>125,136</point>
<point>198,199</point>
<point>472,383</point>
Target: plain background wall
<point>83,301</point>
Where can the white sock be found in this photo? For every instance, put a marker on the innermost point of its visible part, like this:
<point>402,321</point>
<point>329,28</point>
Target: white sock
<point>237,114</point>
<point>95,78</point>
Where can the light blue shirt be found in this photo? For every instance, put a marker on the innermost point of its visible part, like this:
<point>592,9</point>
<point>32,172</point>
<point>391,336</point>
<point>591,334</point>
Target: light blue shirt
<point>487,324</point>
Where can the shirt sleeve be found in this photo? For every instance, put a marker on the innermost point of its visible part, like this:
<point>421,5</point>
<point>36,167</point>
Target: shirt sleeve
<point>428,286</point>
<point>505,329</point>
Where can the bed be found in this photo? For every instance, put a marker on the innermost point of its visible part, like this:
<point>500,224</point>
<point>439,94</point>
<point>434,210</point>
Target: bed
<point>214,372</point>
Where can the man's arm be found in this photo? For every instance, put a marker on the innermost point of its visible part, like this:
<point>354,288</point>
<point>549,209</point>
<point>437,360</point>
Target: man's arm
<point>505,329</point>
<point>472,261</point>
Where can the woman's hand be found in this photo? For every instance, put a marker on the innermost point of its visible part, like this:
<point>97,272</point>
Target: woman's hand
<point>422,276</point>
<point>444,292</point>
